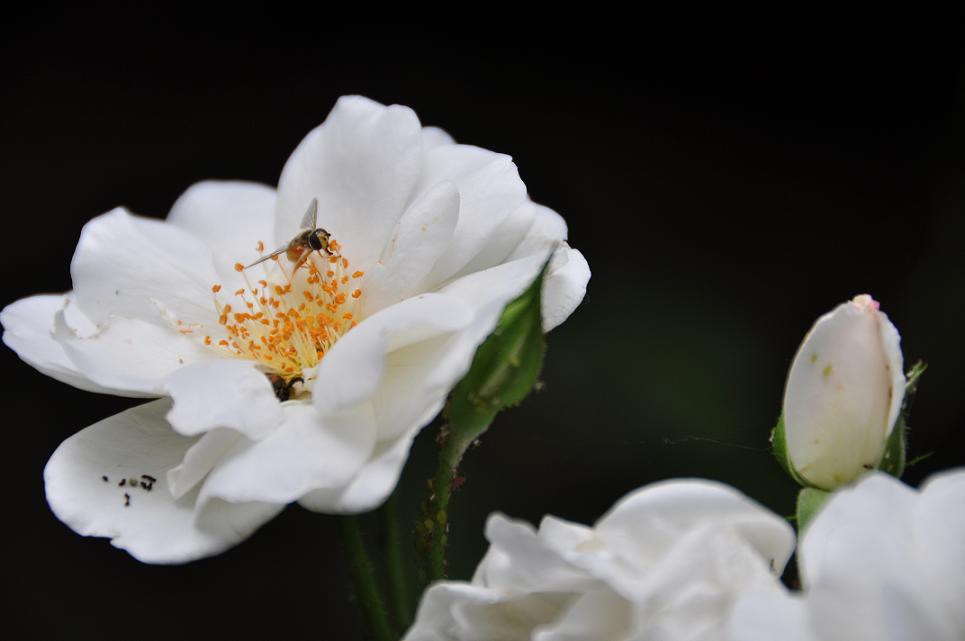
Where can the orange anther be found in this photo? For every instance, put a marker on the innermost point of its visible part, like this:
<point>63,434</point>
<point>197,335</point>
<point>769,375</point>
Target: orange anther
<point>356,293</point>
<point>260,246</point>
<point>358,274</point>
<point>345,263</point>
<point>240,292</point>
<point>207,340</point>
<point>216,288</point>
<point>239,267</point>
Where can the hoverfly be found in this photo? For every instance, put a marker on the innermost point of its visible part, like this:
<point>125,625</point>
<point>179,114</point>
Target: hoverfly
<point>310,238</point>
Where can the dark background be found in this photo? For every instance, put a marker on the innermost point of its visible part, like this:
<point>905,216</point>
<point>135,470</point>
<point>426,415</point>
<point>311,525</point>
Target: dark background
<point>730,174</point>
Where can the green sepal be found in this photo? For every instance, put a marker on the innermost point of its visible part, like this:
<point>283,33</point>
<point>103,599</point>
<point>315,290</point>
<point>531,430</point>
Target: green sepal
<point>809,501</point>
<point>779,448</point>
<point>505,368</point>
<point>893,461</point>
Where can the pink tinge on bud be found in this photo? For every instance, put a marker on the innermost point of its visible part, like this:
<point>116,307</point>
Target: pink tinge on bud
<point>864,301</point>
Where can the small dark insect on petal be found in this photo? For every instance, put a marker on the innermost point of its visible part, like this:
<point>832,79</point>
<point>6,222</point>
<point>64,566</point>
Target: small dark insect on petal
<point>148,478</point>
<point>105,479</point>
<point>127,499</point>
<point>281,387</point>
<point>122,483</point>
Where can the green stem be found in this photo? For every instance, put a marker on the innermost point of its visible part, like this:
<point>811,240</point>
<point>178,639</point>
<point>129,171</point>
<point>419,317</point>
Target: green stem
<point>453,444</point>
<point>437,515</point>
<point>395,561</point>
<point>365,585</point>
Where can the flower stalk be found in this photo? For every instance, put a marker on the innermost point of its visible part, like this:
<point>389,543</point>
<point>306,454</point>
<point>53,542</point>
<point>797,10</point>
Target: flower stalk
<point>399,599</point>
<point>503,372</point>
<point>369,595</point>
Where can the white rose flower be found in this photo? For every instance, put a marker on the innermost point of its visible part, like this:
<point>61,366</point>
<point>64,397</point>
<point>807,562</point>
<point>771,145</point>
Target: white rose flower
<point>666,563</point>
<point>432,239</point>
<point>843,394</point>
<point>879,561</point>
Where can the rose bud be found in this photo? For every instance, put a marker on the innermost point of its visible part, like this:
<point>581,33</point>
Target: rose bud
<point>843,396</point>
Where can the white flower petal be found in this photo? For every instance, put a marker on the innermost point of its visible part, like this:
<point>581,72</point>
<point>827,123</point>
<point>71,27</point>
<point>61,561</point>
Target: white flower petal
<point>875,568</point>
<point>848,532</point>
<point>646,522</point>
<point>352,371</point>
<point>223,393</point>
<point>939,528</point>
<point>489,191</point>
<point>547,230</point>
<point>230,217</point>
<point>867,572</point>
<point>490,290</point>
<point>416,380</point>
<point>372,484</point>
<point>201,459</point>
<point>362,165</point>
<point>154,527</point>
<point>125,265</point>
<point>28,330</point>
<point>435,137</point>
<point>129,354</point>
<point>595,615</point>
<point>436,620</point>
<point>504,239</point>
<point>512,618</point>
<point>308,452</point>
<point>525,563</point>
<point>691,591</point>
<point>564,287</point>
<point>422,234</point>
<point>406,359</point>
<point>769,615</point>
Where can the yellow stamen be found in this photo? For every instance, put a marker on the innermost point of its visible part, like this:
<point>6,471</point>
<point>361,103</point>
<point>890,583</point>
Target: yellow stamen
<point>289,325</point>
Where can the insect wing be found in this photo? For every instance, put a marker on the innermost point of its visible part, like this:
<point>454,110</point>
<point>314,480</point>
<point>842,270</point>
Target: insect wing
<point>277,252</point>
<point>311,215</point>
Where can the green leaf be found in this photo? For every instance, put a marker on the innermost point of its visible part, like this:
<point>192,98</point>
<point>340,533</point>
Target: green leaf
<point>779,448</point>
<point>809,501</point>
<point>893,460</point>
<point>912,377</point>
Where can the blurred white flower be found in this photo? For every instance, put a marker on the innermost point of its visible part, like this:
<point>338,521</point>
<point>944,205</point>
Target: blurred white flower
<point>843,394</point>
<point>434,238</point>
<point>667,562</point>
<point>880,561</point>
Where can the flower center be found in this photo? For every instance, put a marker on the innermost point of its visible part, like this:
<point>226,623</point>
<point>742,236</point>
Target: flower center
<point>288,322</point>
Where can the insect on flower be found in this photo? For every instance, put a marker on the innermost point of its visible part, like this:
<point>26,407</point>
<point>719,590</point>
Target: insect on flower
<point>310,238</point>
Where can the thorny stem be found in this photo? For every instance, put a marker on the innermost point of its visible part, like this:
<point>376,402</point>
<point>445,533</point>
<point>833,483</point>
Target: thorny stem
<point>365,584</point>
<point>452,446</point>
